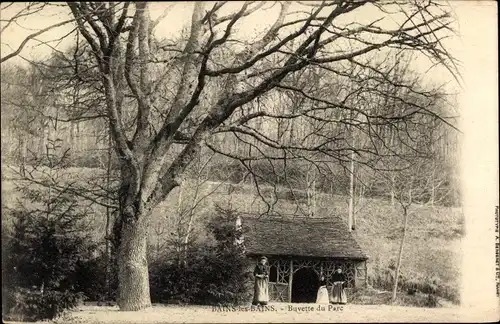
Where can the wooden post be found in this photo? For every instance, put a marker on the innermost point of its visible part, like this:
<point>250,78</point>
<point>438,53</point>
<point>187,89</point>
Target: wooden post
<point>290,281</point>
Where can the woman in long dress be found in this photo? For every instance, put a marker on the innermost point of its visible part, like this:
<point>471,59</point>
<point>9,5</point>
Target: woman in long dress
<point>338,295</point>
<point>322,297</point>
<point>261,288</point>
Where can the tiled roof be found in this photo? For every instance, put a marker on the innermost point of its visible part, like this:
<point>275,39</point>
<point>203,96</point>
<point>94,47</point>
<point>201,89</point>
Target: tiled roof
<point>300,237</point>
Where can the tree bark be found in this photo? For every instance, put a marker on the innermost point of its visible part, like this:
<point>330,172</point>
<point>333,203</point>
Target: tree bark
<point>108,217</point>
<point>351,222</point>
<point>433,186</point>
<point>393,193</point>
<point>22,158</point>
<point>133,276</point>
<point>311,191</point>
<point>400,256</point>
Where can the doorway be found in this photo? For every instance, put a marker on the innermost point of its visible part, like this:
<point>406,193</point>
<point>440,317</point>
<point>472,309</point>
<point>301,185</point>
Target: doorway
<point>305,286</point>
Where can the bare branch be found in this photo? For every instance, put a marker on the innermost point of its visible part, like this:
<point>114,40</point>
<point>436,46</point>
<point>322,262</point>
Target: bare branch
<point>34,35</point>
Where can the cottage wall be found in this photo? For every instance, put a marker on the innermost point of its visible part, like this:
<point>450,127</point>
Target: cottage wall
<point>361,274</point>
<point>279,287</point>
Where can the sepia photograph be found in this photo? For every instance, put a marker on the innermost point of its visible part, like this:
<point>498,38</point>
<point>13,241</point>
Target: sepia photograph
<point>249,161</point>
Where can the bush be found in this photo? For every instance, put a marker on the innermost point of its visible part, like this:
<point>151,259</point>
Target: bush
<point>431,301</point>
<point>224,279</point>
<point>209,274</point>
<point>35,304</point>
<point>206,277</point>
<point>371,296</point>
<point>90,278</point>
<point>414,284</point>
<point>45,252</point>
<point>169,281</point>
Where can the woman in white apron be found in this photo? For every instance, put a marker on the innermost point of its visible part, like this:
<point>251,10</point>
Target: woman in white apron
<point>322,297</point>
<point>261,287</point>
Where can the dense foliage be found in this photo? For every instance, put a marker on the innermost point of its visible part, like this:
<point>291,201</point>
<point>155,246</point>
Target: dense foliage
<point>413,284</point>
<point>47,252</point>
<point>204,274</point>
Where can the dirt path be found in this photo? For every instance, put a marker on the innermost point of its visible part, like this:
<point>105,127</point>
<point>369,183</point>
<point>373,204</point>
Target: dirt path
<point>279,313</point>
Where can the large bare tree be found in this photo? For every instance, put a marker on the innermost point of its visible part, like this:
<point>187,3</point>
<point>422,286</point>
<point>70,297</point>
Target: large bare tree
<point>212,80</point>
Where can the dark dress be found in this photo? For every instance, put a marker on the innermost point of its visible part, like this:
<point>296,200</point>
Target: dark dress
<point>336,277</point>
<point>338,294</point>
<point>261,287</point>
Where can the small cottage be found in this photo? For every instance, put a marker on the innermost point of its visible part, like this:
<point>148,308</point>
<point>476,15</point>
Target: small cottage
<point>299,250</point>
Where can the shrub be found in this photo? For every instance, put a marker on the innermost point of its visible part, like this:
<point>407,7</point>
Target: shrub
<point>208,274</point>
<point>206,277</point>
<point>44,253</point>
<point>224,280</point>
<point>169,281</point>
<point>36,304</point>
<point>414,284</point>
<point>371,296</point>
<point>431,301</point>
<point>90,278</point>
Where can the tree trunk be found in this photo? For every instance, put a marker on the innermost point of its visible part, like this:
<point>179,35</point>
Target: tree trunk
<point>433,186</point>
<point>108,217</point>
<point>351,222</point>
<point>23,152</point>
<point>188,232</point>
<point>133,273</point>
<point>400,256</point>
<point>310,191</point>
<point>393,193</point>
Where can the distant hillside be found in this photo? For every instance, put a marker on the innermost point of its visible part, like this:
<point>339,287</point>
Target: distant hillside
<point>432,248</point>
<point>433,245</point>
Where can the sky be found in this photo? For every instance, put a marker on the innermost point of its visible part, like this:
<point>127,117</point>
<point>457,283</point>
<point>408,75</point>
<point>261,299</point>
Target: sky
<point>178,17</point>
<point>476,49</point>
